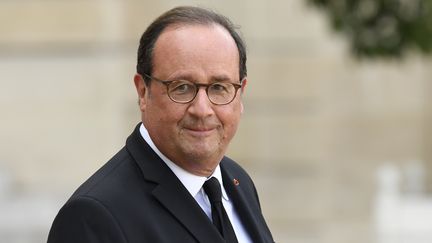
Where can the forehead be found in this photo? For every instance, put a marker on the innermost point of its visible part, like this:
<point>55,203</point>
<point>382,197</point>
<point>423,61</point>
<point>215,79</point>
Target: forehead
<point>196,46</point>
<point>198,36</point>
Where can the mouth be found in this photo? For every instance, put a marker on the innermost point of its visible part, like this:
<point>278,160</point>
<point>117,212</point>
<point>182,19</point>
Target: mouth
<point>199,131</point>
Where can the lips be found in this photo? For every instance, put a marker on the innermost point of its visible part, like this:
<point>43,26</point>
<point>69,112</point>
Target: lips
<point>199,128</point>
<point>199,131</point>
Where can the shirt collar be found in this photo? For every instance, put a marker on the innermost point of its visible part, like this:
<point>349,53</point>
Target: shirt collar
<point>193,183</point>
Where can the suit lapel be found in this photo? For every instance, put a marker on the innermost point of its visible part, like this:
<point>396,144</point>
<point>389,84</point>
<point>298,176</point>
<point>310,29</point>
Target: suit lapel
<point>184,207</point>
<point>170,192</point>
<point>248,212</point>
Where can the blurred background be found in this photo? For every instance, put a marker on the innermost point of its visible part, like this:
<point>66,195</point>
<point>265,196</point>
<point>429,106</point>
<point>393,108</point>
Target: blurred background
<point>337,127</point>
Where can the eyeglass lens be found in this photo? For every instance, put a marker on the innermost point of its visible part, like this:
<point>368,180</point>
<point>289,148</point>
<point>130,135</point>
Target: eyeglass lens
<point>185,91</point>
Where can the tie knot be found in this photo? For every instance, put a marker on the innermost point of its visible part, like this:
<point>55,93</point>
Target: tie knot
<point>213,190</point>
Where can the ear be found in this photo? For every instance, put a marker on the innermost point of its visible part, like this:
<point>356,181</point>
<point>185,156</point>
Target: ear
<point>244,82</point>
<point>141,89</point>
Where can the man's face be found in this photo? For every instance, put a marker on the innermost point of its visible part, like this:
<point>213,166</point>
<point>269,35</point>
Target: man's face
<point>193,135</point>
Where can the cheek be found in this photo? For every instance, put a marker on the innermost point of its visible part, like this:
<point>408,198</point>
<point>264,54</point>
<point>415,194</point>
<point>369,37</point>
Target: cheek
<point>170,116</point>
<point>230,119</point>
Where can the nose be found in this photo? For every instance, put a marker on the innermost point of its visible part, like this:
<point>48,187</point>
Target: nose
<point>201,106</point>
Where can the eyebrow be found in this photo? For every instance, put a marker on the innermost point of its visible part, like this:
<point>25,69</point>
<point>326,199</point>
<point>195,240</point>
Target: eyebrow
<point>213,79</point>
<point>221,78</point>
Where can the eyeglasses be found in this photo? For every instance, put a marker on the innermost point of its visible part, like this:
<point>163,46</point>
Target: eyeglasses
<point>184,91</point>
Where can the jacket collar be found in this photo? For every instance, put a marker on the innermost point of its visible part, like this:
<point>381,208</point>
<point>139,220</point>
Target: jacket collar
<point>247,211</point>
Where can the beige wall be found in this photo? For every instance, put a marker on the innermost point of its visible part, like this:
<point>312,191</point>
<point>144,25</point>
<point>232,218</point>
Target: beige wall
<point>317,125</point>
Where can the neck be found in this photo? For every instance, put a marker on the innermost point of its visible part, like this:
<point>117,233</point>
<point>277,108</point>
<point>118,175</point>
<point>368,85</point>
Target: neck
<point>201,167</point>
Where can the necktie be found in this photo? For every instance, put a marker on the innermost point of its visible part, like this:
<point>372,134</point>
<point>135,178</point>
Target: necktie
<point>219,216</point>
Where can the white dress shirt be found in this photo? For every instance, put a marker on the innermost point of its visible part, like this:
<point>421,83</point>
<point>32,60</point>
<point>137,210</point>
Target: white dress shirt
<point>194,183</point>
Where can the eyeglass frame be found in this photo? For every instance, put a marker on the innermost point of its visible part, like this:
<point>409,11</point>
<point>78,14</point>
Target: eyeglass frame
<point>197,86</point>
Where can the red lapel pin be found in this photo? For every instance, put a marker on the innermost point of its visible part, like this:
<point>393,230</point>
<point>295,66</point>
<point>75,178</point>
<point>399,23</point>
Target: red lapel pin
<point>236,182</point>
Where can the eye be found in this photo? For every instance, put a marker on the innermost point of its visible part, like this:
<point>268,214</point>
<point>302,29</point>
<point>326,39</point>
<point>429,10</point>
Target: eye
<point>181,87</point>
<point>220,87</point>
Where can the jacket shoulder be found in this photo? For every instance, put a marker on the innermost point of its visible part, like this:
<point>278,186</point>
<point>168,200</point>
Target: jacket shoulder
<point>110,178</point>
<point>93,219</point>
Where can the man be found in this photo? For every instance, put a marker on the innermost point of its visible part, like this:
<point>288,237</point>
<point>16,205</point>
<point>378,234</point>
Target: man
<point>164,185</point>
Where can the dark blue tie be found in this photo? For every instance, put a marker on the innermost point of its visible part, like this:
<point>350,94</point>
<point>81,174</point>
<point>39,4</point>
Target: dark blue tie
<point>219,216</point>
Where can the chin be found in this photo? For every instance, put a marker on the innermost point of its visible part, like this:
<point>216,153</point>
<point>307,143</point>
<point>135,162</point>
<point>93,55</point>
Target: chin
<point>201,151</point>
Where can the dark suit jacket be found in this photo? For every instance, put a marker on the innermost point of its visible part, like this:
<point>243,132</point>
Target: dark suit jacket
<point>136,198</point>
